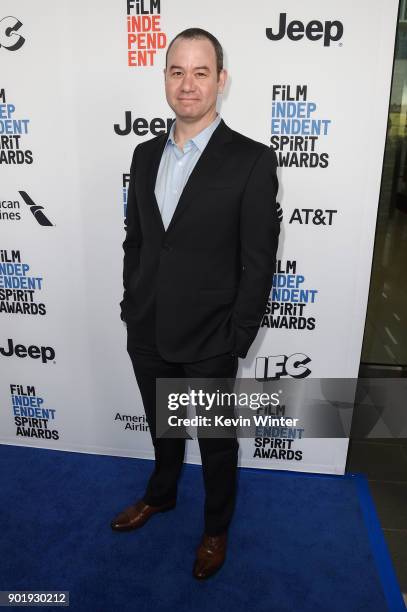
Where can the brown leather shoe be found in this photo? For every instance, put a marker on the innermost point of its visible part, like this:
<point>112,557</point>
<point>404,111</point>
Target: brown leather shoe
<point>210,555</point>
<point>137,515</point>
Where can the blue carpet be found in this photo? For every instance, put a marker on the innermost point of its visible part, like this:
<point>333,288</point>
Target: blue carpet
<point>298,542</point>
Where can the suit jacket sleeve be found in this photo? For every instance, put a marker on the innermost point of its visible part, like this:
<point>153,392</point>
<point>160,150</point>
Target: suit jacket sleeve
<point>132,241</point>
<point>259,232</point>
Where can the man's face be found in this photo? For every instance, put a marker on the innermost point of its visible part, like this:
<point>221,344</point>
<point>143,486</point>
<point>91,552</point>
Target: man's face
<point>191,79</point>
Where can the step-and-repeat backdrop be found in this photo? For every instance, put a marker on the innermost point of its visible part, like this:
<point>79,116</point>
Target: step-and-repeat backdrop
<point>81,84</point>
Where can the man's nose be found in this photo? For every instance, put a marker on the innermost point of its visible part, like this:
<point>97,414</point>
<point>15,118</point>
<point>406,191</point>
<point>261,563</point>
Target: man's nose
<point>188,83</point>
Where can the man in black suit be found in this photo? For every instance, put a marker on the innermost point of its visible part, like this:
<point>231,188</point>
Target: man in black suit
<point>199,257</point>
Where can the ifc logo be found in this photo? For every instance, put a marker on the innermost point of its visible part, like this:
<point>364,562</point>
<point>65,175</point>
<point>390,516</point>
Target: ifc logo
<point>8,37</point>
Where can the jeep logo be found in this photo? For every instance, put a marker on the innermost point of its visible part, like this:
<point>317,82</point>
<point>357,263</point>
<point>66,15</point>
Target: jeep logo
<point>46,353</point>
<point>330,31</point>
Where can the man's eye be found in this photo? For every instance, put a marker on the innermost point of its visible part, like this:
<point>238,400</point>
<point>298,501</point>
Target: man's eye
<point>177,73</point>
<point>201,74</point>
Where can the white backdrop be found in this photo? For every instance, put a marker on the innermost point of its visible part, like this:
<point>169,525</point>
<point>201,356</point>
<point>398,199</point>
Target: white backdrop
<point>65,84</point>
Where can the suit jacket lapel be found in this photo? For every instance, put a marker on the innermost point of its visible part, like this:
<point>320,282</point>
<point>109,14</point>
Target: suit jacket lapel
<point>155,164</point>
<point>204,169</point>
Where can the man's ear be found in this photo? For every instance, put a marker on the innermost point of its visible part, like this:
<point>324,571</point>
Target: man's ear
<point>222,76</point>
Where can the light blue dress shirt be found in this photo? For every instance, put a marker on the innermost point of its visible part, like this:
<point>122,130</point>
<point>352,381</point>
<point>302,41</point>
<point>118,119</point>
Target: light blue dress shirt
<point>175,167</point>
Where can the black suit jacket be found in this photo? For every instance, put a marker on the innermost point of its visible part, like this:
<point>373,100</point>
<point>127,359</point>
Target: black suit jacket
<point>200,288</point>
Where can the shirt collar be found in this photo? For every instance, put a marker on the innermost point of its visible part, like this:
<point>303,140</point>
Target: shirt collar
<point>201,139</point>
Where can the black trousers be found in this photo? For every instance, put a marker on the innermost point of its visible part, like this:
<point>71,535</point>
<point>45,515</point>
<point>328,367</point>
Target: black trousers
<point>218,455</point>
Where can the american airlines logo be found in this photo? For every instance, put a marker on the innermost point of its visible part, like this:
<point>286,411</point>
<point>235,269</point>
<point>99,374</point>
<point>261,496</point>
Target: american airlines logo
<point>36,210</point>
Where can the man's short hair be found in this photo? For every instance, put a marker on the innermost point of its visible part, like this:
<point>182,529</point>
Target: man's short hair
<point>194,33</point>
